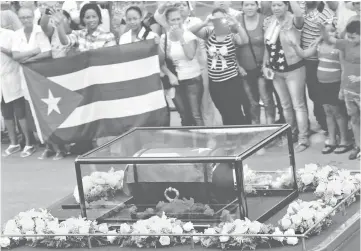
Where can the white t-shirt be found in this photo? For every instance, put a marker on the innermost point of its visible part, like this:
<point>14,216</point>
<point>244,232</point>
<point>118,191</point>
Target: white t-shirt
<point>9,70</point>
<point>126,38</point>
<point>20,44</point>
<point>186,69</point>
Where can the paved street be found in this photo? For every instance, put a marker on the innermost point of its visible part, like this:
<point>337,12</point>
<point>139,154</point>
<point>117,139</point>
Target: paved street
<point>32,183</point>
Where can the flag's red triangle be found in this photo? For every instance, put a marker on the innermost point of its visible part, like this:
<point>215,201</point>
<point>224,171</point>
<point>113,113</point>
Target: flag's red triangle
<point>44,92</point>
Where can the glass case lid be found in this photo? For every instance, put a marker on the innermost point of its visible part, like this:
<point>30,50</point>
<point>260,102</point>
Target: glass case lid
<point>184,142</point>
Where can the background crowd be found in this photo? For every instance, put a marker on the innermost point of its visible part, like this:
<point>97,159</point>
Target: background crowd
<point>220,70</point>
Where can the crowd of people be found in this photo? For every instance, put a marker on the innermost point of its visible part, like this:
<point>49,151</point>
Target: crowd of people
<point>220,70</point>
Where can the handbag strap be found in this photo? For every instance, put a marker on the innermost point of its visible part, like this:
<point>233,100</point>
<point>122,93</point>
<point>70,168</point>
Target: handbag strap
<point>165,45</point>
<point>249,40</point>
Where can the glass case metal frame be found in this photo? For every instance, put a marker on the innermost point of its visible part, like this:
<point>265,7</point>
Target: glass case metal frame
<point>235,161</point>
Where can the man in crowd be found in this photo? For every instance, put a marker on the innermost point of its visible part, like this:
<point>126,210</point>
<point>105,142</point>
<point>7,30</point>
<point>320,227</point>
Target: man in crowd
<point>12,100</point>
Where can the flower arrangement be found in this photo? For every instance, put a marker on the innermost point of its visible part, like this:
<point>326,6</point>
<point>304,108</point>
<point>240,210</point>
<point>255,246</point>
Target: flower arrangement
<point>337,187</point>
<point>100,185</point>
<point>253,179</point>
<point>236,227</point>
<point>327,181</point>
<point>40,222</point>
<point>161,225</point>
<point>302,215</point>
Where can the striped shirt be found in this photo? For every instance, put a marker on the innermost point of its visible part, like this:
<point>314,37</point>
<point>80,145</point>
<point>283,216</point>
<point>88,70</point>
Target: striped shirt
<point>85,42</point>
<point>311,30</point>
<point>221,58</point>
<point>329,67</point>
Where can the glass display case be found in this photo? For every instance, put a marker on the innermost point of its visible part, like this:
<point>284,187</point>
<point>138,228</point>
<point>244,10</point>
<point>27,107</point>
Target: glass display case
<point>206,170</point>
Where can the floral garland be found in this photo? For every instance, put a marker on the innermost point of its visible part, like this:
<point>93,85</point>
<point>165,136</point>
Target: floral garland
<point>100,185</point>
<point>299,217</point>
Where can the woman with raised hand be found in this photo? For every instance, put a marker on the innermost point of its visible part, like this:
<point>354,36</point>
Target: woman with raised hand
<point>179,47</point>
<point>250,57</point>
<point>58,51</point>
<point>225,83</point>
<point>210,114</point>
<point>92,37</point>
<point>282,64</point>
<point>138,31</point>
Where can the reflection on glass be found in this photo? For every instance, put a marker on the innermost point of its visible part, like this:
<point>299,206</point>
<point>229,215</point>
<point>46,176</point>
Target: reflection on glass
<point>168,142</point>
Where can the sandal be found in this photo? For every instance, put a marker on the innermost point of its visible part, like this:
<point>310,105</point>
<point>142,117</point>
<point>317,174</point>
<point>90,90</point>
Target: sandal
<point>327,149</point>
<point>301,147</point>
<point>343,149</point>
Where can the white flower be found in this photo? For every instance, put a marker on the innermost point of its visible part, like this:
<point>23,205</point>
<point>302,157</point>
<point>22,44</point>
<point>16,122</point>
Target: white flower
<point>4,242</point>
<point>164,240</point>
<point>10,225</point>
<point>286,223</point>
<point>278,232</point>
<point>103,228</point>
<point>30,238</point>
<point>306,213</point>
<point>188,227</point>
<point>333,201</point>
<point>52,225</point>
<point>27,224</point>
<point>311,168</point>
<point>14,231</point>
<point>209,231</point>
<point>84,229</point>
<point>348,188</point>
<point>111,239</point>
<point>296,220</point>
<point>196,239</point>
<point>124,228</point>
<point>177,230</point>
<point>291,240</point>
<point>255,227</point>
<point>61,230</point>
<point>307,178</point>
<point>276,184</point>
<point>344,174</point>
<point>224,238</point>
<point>321,188</point>
<point>335,186</point>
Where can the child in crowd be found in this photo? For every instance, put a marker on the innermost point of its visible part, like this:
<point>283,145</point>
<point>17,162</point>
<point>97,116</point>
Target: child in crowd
<point>329,77</point>
<point>350,83</point>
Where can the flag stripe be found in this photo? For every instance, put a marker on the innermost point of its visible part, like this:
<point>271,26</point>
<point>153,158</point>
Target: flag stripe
<point>112,127</point>
<point>105,74</point>
<point>121,108</point>
<point>121,90</point>
<point>103,56</point>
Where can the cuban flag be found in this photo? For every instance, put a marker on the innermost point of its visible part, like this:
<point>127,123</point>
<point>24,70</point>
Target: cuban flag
<point>97,94</point>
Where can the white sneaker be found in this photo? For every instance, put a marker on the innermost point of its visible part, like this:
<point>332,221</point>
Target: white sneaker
<point>27,151</point>
<point>12,149</point>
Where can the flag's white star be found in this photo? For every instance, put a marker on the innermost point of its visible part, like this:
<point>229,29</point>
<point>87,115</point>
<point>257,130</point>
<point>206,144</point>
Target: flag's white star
<point>280,60</point>
<point>282,52</point>
<point>281,67</point>
<point>52,103</point>
<point>273,47</point>
<point>272,53</point>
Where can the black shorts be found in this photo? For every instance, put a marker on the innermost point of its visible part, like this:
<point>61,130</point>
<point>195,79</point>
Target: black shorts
<point>15,107</point>
<point>328,93</point>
